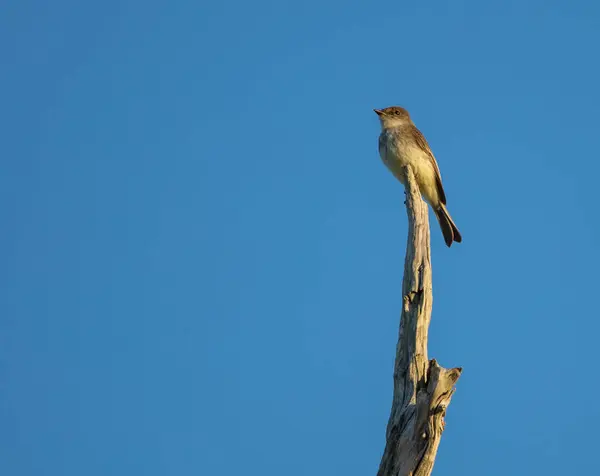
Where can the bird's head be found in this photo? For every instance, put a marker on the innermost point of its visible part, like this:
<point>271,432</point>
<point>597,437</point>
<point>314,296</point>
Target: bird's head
<point>393,116</point>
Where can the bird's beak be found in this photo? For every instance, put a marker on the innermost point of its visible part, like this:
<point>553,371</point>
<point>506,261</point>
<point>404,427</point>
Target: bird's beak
<point>379,112</point>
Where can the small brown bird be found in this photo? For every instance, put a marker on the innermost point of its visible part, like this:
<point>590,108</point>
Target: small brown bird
<point>401,144</point>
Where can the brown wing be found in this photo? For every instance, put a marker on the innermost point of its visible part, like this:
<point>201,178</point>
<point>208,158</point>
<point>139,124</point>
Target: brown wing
<point>422,143</point>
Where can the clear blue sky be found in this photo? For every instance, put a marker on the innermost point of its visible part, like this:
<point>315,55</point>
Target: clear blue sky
<point>202,252</point>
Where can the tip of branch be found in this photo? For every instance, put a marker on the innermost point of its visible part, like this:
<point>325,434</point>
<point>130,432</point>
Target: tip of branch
<point>455,373</point>
<point>451,375</point>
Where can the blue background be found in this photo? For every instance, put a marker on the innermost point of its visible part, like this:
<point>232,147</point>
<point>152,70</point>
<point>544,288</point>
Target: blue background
<point>202,252</point>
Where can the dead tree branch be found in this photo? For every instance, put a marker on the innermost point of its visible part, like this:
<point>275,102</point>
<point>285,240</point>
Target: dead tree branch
<point>422,389</point>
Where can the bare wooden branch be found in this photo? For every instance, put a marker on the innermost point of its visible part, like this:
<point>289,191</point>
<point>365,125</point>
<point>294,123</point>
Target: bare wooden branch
<point>422,389</point>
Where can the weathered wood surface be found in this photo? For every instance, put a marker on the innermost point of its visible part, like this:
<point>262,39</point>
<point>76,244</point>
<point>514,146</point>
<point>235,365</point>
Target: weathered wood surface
<point>422,389</point>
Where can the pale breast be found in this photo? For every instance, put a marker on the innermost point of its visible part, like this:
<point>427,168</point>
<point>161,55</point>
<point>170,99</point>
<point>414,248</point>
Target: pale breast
<point>391,150</point>
<point>397,151</point>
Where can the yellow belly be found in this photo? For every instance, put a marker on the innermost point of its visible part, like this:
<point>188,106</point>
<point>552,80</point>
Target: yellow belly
<point>423,170</point>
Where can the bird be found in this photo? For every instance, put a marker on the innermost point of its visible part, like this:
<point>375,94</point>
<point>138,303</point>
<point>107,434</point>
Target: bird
<point>402,144</point>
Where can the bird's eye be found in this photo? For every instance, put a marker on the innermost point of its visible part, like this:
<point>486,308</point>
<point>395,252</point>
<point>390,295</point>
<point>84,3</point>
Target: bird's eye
<point>397,113</point>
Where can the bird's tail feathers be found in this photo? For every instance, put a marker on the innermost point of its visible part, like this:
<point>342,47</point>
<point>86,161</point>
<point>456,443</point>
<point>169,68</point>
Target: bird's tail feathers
<point>449,229</point>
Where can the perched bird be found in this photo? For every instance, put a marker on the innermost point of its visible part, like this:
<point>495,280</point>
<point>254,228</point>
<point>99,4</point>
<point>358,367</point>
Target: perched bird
<point>401,144</point>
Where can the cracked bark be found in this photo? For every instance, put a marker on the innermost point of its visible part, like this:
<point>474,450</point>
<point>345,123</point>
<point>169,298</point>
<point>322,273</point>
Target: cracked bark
<point>422,389</point>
